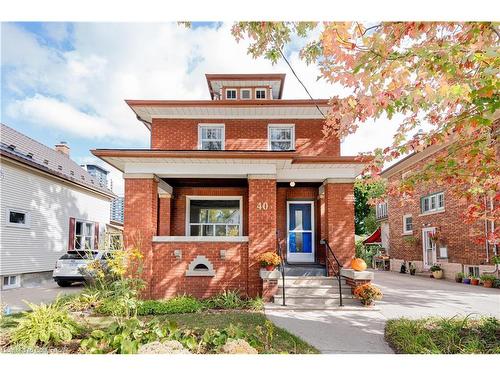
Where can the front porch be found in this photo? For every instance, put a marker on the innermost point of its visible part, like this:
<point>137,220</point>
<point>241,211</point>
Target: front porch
<point>201,236</point>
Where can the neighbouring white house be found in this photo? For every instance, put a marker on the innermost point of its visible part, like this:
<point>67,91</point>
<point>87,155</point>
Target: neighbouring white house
<point>49,205</point>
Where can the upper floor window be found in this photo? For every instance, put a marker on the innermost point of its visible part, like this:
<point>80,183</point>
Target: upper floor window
<point>281,137</point>
<point>18,218</point>
<point>407,224</point>
<point>231,94</point>
<point>211,137</point>
<point>260,93</point>
<point>381,210</point>
<point>245,94</point>
<point>431,203</point>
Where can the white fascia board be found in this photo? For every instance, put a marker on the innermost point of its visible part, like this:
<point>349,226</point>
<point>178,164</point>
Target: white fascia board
<point>200,170</point>
<point>319,174</point>
<point>164,188</point>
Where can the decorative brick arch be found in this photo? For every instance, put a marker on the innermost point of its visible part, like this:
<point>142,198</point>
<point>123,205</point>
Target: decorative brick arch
<point>200,266</point>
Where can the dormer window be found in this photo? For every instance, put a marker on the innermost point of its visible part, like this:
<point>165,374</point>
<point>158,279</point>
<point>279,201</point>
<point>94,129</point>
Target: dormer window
<point>231,94</point>
<point>246,94</point>
<point>260,93</point>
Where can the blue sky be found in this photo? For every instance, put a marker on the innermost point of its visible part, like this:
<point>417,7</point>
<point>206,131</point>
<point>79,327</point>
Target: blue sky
<point>68,81</point>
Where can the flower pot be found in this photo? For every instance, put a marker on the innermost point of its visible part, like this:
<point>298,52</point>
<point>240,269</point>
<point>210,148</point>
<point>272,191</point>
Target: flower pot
<point>270,268</point>
<point>458,279</point>
<point>367,303</point>
<point>466,281</point>
<point>474,281</point>
<point>438,274</point>
<point>412,272</point>
<point>488,283</point>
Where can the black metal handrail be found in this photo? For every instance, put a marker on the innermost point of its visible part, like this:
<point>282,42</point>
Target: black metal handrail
<point>327,245</point>
<point>282,265</point>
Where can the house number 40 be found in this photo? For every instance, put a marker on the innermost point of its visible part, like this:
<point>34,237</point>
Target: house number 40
<point>262,206</point>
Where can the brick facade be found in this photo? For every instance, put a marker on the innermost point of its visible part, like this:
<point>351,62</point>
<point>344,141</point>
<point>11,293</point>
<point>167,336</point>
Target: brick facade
<point>250,135</point>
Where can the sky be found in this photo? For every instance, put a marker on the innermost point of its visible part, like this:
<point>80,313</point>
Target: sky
<point>68,81</point>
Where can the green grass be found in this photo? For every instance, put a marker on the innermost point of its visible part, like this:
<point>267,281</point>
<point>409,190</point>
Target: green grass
<point>458,335</point>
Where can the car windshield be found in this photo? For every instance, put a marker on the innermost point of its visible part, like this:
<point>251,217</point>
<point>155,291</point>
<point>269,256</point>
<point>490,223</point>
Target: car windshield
<point>79,255</point>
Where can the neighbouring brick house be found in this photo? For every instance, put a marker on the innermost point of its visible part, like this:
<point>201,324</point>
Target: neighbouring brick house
<point>226,179</point>
<point>408,224</point>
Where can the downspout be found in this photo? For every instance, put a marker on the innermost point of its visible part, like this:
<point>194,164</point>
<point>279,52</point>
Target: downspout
<point>486,232</point>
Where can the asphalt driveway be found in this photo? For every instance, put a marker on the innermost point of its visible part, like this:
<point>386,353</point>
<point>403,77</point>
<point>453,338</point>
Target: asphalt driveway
<point>44,292</point>
<point>404,296</point>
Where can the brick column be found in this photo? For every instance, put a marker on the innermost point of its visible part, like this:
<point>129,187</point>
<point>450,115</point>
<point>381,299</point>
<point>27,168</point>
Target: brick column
<point>164,214</point>
<point>140,220</point>
<point>339,216</point>
<point>261,226</point>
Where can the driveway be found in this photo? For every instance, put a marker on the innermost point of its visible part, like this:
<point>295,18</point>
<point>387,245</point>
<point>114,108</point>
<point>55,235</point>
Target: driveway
<point>44,292</point>
<point>360,332</point>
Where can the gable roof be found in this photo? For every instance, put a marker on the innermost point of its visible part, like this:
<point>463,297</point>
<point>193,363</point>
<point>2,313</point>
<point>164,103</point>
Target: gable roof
<point>23,149</point>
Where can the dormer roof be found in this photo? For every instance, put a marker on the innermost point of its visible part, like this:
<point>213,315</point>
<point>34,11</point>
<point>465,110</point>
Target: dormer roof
<point>274,80</point>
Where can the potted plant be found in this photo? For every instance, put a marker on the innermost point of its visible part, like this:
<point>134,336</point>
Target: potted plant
<point>459,277</point>
<point>367,294</point>
<point>466,279</point>
<point>269,260</point>
<point>474,280</point>
<point>437,271</point>
<point>488,280</point>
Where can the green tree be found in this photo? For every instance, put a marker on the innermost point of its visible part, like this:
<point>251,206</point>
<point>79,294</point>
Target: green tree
<point>365,194</point>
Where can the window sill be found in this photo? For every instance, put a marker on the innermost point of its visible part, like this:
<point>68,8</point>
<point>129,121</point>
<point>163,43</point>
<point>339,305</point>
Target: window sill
<point>200,239</point>
<point>432,213</point>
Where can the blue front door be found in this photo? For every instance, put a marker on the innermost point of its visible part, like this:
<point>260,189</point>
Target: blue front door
<point>300,221</point>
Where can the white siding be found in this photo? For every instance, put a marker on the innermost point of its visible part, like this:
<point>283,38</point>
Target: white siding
<point>51,203</point>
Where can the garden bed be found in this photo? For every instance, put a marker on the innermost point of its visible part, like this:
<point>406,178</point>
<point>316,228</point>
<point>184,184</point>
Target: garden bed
<point>457,335</point>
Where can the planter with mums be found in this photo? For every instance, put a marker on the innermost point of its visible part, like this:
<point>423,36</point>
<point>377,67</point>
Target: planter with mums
<point>437,271</point>
<point>488,280</point>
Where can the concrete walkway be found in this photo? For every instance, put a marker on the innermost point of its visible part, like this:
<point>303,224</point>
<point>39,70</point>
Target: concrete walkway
<point>404,296</point>
<point>44,292</point>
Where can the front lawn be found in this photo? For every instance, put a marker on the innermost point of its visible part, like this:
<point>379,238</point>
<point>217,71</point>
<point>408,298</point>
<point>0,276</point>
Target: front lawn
<point>458,335</point>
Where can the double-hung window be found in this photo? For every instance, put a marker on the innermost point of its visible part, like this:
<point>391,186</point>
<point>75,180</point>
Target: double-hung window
<point>281,137</point>
<point>214,216</point>
<point>84,235</point>
<point>432,203</point>
<point>407,224</point>
<point>211,137</point>
<point>245,94</point>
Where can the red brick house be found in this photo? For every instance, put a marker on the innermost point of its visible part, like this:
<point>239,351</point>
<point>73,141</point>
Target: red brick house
<point>409,224</point>
<point>227,178</point>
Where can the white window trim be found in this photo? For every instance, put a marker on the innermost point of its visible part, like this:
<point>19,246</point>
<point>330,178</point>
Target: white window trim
<point>432,210</point>
<point>189,198</point>
<point>404,224</point>
<point>13,286</point>
<point>241,94</point>
<point>260,89</point>
<point>92,235</point>
<point>27,214</point>
<point>201,126</point>
<point>271,126</point>
<point>235,90</point>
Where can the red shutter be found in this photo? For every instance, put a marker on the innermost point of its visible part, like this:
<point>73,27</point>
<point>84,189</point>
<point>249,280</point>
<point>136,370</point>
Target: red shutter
<point>71,239</point>
<point>96,236</point>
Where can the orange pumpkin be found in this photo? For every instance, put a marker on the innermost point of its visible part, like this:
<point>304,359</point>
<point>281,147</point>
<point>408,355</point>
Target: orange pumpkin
<point>358,264</point>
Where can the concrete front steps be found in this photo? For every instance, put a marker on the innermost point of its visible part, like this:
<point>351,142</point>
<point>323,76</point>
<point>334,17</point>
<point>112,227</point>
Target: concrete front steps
<point>314,293</point>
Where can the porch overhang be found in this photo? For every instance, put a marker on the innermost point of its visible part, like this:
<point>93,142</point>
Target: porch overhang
<point>283,166</point>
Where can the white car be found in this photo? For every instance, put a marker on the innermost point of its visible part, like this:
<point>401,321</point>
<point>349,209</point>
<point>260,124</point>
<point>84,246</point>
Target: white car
<point>70,267</point>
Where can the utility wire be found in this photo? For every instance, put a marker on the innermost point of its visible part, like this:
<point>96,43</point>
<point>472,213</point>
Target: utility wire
<point>298,79</point>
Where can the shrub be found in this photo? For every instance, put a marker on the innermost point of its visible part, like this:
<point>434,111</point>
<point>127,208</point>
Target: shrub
<point>176,305</point>
<point>228,299</point>
<point>81,302</point>
<point>487,277</point>
<point>256,304</point>
<point>367,293</point>
<point>436,267</point>
<point>46,325</point>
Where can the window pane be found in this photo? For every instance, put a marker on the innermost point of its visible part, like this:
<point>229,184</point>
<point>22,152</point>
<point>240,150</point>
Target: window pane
<point>195,230</point>
<point>220,230</point>
<point>433,202</point>
<point>6,280</point>
<point>88,242</point>
<point>441,200</point>
<point>208,230</point>
<point>233,230</point>
<point>88,229</point>
<point>260,94</point>
<point>78,242</point>
<point>211,145</point>
<point>278,134</point>
<point>281,145</point>
<point>214,212</point>
<point>17,217</point>
<point>79,228</point>
<point>245,94</point>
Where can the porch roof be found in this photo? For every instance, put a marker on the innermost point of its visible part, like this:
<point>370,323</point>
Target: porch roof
<point>286,166</point>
